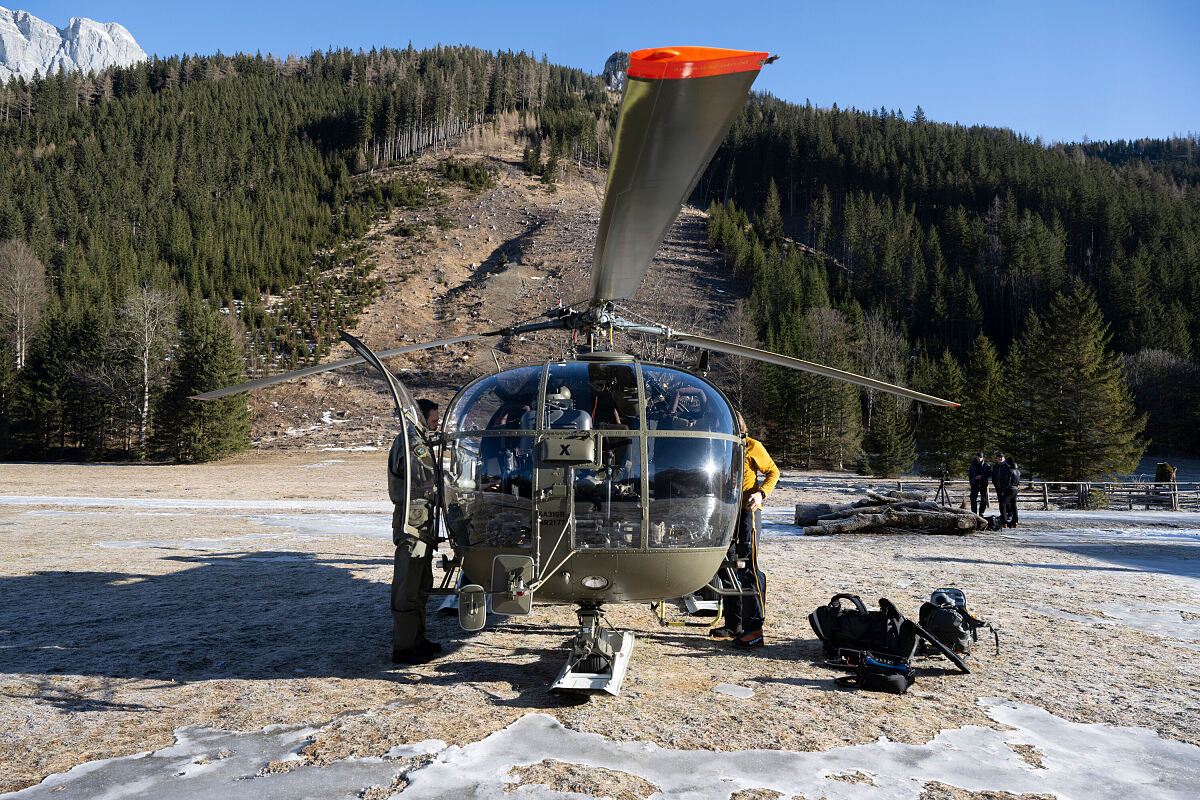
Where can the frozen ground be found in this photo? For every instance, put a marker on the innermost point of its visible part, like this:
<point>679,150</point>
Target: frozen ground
<point>1034,752</point>
<point>192,632</point>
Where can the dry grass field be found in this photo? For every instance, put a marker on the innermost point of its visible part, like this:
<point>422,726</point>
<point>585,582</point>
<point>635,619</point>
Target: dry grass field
<point>137,600</point>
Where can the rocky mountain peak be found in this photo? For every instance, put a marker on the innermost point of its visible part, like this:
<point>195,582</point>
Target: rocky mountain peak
<point>28,45</point>
<point>614,70</point>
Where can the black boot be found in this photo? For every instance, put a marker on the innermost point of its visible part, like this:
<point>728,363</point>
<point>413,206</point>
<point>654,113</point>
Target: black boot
<point>421,652</point>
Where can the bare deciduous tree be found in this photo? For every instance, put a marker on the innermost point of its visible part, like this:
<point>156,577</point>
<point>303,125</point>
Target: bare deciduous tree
<point>739,371</point>
<point>147,324</point>
<point>22,295</point>
<point>883,354</point>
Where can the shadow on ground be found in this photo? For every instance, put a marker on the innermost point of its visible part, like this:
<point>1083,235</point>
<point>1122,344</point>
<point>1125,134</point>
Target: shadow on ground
<point>1182,560</point>
<point>249,615</point>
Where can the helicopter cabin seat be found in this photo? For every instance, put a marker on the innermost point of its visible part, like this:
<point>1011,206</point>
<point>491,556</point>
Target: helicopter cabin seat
<point>497,454</point>
<point>559,414</point>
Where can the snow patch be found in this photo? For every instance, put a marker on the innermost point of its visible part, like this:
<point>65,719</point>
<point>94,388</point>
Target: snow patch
<point>180,502</point>
<point>308,527</point>
<point>1097,761</point>
<point>358,448</point>
<point>744,692</point>
<point>1168,620</point>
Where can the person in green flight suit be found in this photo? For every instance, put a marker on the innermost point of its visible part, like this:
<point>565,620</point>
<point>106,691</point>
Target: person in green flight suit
<point>416,542</point>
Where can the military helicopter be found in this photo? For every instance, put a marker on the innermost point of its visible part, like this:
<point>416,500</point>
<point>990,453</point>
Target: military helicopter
<point>600,478</point>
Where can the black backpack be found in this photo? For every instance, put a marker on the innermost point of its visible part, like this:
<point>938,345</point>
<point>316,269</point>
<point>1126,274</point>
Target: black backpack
<point>948,620</point>
<point>948,625</point>
<point>846,632</point>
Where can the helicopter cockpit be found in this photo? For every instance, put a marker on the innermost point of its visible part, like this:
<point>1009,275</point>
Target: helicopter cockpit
<point>622,455</point>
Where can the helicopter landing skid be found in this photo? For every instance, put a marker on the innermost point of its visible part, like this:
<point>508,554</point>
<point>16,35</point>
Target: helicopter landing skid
<point>698,606</point>
<point>611,659</point>
<point>598,656</point>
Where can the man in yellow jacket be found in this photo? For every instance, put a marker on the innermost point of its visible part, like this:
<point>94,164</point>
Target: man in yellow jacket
<point>744,615</point>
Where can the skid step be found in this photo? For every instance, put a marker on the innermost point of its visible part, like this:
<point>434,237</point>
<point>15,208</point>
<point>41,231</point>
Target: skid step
<point>574,678</point>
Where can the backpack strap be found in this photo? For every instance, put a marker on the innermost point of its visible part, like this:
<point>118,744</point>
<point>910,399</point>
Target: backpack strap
<point>889,609</point>
<point>835,601</point>
<point>932,641</point>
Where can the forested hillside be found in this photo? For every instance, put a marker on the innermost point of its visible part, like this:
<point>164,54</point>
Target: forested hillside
<point>156,221</point>
<point>237,184</point>
<point>924,252</point>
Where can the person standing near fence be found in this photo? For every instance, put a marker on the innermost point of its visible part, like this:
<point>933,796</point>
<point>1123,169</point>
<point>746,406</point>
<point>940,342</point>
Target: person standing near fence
<point>999,481</point>
<point>1008,501</point>
<point>978,475</point>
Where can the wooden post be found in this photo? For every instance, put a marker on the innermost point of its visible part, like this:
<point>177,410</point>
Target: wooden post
<point>1045,498</point>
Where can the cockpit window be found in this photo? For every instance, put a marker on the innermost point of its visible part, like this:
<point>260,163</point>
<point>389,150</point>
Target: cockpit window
<point>591,397</point>
<point>497,402</point>
<point>677,401</point>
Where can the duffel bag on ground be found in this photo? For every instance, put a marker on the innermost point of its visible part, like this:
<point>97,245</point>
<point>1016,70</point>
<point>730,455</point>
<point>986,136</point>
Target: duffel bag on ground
<point>879,675</point>
<point>845,632</point>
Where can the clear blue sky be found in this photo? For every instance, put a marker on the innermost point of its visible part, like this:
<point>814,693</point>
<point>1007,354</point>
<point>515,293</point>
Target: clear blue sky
<point>1059,70</point>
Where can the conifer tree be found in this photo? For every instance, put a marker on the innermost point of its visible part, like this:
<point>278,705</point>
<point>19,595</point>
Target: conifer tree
<point>207,358</point>
<point>835,425</point>
<point>984,400</point>
<point>770,221</point>
<point>889,444</point>
<point>8,386</point>
<point>1071,398</point>
<point>941,431</point>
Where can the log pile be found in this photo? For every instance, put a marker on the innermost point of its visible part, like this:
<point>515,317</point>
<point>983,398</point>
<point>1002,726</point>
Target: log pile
<point>894,512</point>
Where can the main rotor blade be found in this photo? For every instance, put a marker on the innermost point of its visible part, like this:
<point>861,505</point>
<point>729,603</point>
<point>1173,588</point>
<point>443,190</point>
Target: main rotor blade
<point>807,366</point>
<point>271,380</point>
<point>679,103</point>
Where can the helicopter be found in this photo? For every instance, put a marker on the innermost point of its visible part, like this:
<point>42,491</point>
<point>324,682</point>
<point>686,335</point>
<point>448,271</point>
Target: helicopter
<point>599,478</point>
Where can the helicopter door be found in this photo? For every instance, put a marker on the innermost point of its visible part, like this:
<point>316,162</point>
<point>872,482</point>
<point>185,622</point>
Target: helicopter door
<point>412,470</point>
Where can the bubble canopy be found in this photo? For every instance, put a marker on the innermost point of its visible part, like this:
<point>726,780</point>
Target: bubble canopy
<point>663,468</point>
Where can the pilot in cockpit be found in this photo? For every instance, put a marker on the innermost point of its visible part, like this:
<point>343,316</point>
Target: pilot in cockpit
<point>561,413</point>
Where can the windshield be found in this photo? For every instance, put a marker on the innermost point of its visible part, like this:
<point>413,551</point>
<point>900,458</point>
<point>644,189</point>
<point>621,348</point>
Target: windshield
<point>591,397</point>
<point>496,402</point>
<point>679,401</point>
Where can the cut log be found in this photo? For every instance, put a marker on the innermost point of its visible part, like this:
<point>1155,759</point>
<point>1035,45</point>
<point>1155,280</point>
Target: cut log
<point>809,513</point>
<point>842,513</point>
<point>896,516</point>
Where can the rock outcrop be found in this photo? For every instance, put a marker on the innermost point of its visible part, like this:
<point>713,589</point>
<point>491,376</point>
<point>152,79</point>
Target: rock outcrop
<point>28,45</point>
<point>614,70</point>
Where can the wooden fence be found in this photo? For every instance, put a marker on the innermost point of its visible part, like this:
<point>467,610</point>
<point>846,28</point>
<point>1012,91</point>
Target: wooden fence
<point>1118,495</point>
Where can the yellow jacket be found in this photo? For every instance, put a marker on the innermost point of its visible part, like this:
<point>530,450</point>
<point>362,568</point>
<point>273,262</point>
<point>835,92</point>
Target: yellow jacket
<point>758,461</point>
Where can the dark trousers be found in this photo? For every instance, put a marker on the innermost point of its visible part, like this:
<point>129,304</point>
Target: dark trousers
<point>747,613</point>
<point>1008,508</point>
<point>979,501</point>
<point>412,580</point>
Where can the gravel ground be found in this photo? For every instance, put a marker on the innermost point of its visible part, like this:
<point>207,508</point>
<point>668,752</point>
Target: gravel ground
<point>254,592</point>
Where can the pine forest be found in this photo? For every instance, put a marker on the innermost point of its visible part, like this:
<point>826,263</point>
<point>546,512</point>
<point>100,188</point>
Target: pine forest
<point>136,204</point>
<point>171,227</point>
